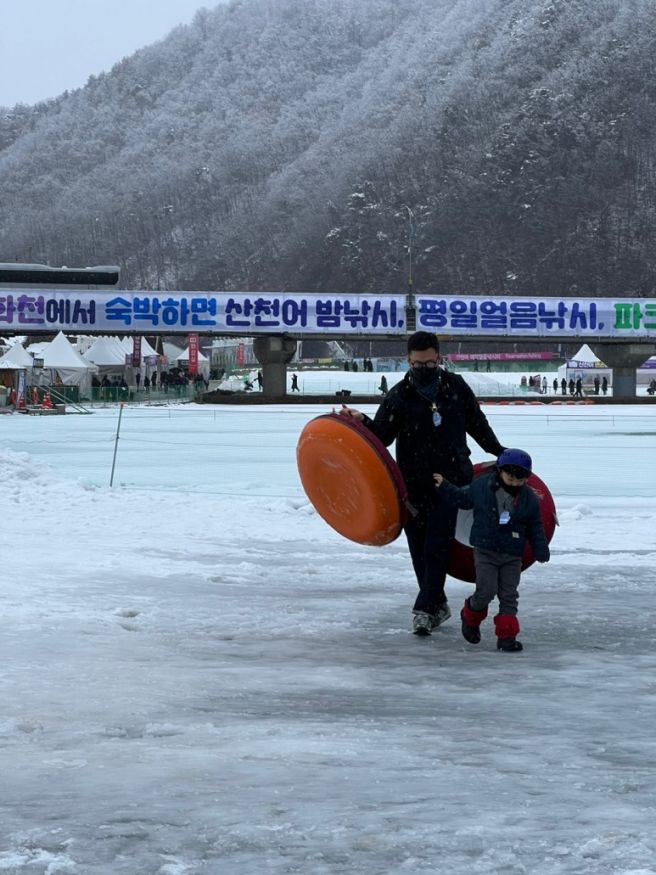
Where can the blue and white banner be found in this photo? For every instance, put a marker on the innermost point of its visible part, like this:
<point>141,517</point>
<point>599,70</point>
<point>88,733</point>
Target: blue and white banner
<point>224,313</point>
<point>538,317</point>
<point>251,313</point>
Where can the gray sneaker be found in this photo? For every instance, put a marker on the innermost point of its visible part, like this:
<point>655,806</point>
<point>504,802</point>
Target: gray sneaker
<point>442,615</point>
<point>423,623</point>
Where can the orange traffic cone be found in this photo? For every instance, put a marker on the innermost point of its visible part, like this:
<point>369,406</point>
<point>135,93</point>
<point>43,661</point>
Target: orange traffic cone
<point>47,403</point>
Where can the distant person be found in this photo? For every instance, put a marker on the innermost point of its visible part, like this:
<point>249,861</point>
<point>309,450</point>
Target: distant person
<point>146,383</point>
<point>604,385</point>
<point>506,516</point>
<point>544,385</point>
<point>555,385</point>
<point>487,366</point>
<point>259,380</point>
<point>571,386</point>
<point>137,380</point>
<point>597,384</point>
<point>153,381</point>
<point>563,386</point>
<point>383,385</point>
<point>476,364</point>
<point>651,388</point>
<point>295,383</point>
<point>429,414</point>
<point>579,388</point>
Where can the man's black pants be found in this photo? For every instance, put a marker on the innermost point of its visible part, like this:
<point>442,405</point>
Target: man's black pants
<point>430,535</point>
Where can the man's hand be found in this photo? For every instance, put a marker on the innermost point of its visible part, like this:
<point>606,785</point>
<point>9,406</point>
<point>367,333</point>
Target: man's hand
<point>439,480</point>
<point>352,412</point>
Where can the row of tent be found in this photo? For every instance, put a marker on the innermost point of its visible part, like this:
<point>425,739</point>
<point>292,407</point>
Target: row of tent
<point>59,360</point>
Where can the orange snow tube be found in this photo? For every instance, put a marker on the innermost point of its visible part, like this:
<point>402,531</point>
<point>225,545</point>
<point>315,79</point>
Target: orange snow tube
<point>351,480</point>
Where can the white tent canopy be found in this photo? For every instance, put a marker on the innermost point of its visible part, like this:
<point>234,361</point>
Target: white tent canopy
<point>16,359</point>
<point>171,350</point>
<point>61,360</point>
<point>106,352</point>
<point>586,356</point>
<point>146,348</point>
<point>203,362</point>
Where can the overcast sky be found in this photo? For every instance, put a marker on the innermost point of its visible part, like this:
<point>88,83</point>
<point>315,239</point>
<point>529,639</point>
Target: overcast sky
<point>47,46</point>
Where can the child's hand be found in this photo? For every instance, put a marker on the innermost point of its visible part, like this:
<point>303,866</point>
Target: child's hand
<point>350,411</point>
<point>439,480</point>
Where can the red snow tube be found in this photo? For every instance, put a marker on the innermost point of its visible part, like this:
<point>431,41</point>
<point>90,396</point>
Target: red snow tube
<point>461,558</point>
<point>351,479</point>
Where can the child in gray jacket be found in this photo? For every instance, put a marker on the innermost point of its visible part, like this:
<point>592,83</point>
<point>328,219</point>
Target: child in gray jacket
<point>506,515</point>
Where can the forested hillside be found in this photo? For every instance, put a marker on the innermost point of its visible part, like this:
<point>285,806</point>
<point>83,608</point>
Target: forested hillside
<point>285,144</point>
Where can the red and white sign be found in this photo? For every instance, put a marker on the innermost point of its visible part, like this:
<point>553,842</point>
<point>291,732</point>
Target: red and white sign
<point>136,351</point>
<point>193,353</point>
<point>241,355</point>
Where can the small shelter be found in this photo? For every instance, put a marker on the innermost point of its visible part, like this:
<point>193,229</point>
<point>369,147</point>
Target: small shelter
<point>108,354</point>
<point>150,358</point>
<point>63,364</point>
<point>586,365</point>
<point>15,359</point>
<point>182,361</point>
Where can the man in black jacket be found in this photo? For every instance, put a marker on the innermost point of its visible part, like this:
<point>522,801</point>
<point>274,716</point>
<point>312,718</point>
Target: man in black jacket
<point>429,414</point>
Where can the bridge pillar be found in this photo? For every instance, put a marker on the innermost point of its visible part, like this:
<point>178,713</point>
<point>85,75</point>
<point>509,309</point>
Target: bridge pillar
<point>624,358</point>
<point>274,353</point>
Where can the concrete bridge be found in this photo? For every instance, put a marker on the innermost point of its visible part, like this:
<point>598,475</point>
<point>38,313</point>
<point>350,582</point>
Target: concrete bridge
<point>38,299</point>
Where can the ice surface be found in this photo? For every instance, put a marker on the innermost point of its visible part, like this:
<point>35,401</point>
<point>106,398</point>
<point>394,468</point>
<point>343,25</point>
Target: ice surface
<point>197,675</point>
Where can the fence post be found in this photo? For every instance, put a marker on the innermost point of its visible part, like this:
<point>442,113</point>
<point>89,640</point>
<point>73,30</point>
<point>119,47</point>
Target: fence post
<point>118,428</point>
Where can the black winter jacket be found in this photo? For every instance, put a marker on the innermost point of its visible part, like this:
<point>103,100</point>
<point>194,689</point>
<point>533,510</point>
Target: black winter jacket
<point>487,533</point>
<point>423,448</point>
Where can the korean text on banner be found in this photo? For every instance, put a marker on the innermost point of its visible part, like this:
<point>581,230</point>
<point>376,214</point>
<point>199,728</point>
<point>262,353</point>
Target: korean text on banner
<point>193,353</point>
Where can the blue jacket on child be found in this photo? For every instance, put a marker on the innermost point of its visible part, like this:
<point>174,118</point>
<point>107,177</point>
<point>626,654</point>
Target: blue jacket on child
<point>487,532</point>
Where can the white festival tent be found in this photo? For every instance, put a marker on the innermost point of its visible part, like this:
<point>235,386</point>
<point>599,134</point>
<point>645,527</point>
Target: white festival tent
<point>587,365</point>
<point>182,361</point>
<point>16,359</point>
<point>108,353</point>
<point>149,356</point>
<point>62,362</point>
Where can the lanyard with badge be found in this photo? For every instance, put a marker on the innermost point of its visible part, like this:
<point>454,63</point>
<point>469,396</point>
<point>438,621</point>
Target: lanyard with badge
<point>435,411</point>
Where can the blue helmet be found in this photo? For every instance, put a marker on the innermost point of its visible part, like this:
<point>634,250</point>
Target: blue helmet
<point>513,456</point>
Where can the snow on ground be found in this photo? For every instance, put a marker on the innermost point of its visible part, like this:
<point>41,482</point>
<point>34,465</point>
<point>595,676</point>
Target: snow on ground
<point>197,675</point>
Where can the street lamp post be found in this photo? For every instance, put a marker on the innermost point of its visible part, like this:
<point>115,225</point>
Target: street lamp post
<point>410,309</point>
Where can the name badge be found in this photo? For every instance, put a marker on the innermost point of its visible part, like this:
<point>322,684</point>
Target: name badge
<point>504,518</point>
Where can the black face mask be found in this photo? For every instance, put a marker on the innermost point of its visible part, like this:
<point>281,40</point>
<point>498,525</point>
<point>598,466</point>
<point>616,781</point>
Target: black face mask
<point>426,378</point>
<point>511,490</point>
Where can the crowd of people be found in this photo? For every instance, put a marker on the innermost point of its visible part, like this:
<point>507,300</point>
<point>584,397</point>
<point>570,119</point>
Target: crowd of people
<point>572,386</point>
<point>116,388</point>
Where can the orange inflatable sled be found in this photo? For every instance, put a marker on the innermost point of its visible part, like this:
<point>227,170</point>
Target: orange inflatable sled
<point>351,479</point>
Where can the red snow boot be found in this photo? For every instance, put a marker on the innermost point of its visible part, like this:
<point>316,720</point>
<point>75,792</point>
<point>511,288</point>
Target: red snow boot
<point>471,620</point>
<point>507,628</point>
